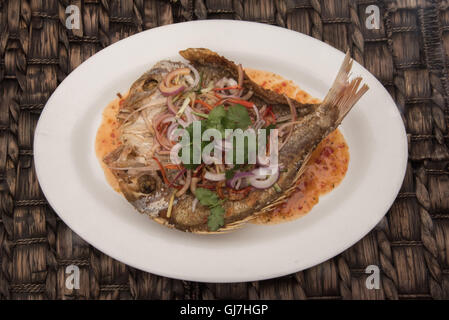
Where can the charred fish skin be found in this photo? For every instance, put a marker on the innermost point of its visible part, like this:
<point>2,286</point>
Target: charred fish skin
<point>315,122</point>
<point>210,62</point>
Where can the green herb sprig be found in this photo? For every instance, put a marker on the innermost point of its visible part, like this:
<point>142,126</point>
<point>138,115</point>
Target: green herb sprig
<point>210,199</point>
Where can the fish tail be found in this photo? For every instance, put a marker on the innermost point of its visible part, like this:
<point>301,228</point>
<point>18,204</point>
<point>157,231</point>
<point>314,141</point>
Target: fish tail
<point>344,92</point>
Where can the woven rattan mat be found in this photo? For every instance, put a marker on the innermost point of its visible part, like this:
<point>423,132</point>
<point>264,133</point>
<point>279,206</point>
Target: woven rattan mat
<point>408,53</point>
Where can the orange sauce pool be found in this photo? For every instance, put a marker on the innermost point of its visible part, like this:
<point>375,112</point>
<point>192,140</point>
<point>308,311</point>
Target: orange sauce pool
<point>107,139</point>
<point>324,171</point>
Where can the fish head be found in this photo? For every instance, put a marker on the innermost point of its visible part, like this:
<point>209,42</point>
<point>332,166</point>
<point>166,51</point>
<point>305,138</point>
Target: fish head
<point>147,193</point>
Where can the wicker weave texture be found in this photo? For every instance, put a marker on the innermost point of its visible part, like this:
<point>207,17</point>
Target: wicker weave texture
<point>408,54</point>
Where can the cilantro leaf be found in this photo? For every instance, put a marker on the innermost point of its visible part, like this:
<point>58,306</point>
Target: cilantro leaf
<point>216,218</point>
<point>237,117</point>
<point>210,199</point>
<point>217,113</point>
<point>207,198</point>
<point>216,119</point>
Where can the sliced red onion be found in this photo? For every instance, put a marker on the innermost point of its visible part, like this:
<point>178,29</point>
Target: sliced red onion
<point>172,91</point>
<point>179,175</point>
<point>186,186</point>
<point>261,181</point>
<point>161,117</point>
<point>170,131</point>
<point>169,119</point>
<point>223,145</point>
<point>263,161</point>
<point>256,111</point>
<point>214,176</point>
<point>173,109</point>
<point>236,92</point>
<point>189,116</point>
<point>238,183</point>
<point>169,77</point>
<point>225,82</point>
<point>220,83</point>
<point>166,87</point>
<point>196,76</point>
<point>174,154</point>
<point>183,123</point>
<point>237,177</point>
<point>248,95</point>
<point>258,124</point>
<point>210,160</point>
<point>156,121</point>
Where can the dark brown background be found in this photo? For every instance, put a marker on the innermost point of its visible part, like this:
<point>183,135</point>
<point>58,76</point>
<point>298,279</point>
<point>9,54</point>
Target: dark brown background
<point>409,54</point>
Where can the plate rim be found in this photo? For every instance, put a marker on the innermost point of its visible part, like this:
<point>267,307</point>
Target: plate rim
<point>39,138</point>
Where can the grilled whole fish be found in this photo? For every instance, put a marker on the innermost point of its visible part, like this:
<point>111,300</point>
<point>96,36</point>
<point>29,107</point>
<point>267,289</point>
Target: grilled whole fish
<point>141,178</point>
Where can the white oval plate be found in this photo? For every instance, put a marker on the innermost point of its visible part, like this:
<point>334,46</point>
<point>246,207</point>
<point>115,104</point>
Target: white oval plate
<point>73,181</point>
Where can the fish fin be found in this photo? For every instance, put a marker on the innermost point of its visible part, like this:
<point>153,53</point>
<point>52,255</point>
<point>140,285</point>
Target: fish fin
<point>344,92</point>
<point>303,167</point>
<point>206,57</point>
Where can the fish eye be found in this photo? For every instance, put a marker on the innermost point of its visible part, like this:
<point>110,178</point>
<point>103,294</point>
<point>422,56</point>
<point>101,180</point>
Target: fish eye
<point>146,183</point>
